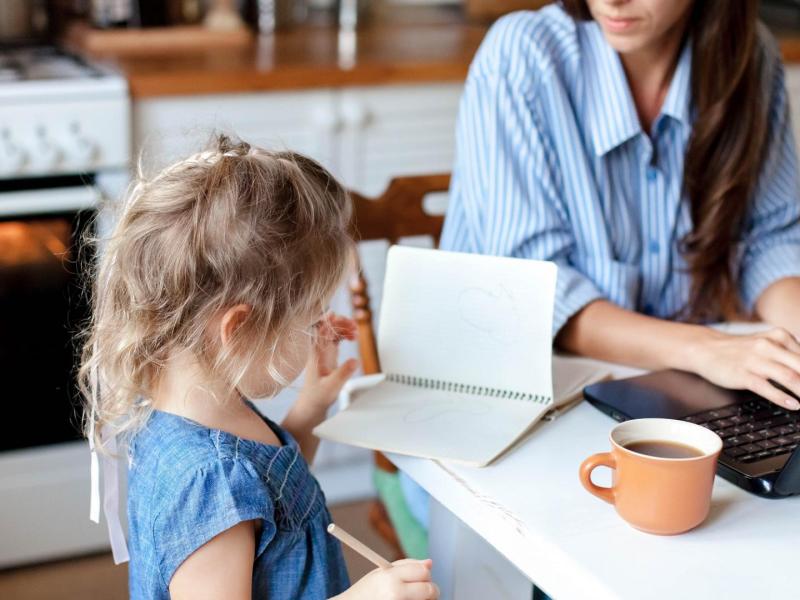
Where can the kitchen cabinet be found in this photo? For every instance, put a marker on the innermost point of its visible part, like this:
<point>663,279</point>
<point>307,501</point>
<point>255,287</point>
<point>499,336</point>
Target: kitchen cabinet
<point>399,130</point>
<point>165,129</point>
<point>364,135</point>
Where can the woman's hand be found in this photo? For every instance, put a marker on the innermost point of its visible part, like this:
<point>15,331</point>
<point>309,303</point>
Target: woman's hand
<point>750,362</point>
<point>324,378</point>
<point>406,580</point>
<point>608,332</point>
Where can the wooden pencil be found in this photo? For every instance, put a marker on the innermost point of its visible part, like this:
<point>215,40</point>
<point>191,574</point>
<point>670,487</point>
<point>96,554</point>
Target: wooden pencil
<point>358,546</point>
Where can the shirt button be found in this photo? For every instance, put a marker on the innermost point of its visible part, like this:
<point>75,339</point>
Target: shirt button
<point>654,246</point>
<point>652,173</point>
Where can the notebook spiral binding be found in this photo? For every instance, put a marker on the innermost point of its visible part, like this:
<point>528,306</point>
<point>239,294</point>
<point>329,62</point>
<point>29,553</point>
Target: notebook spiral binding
<point>466,388</point>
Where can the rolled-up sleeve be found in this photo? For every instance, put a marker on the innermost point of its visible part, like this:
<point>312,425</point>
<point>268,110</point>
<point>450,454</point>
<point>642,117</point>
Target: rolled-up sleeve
<point>771,242</point>
<point>504,195</point>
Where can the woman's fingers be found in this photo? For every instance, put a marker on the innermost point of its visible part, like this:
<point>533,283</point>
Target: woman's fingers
<point>765,389</point>
<point>784,338</point>
<point>788,359</point>
<point>780,354</point>
<point>779,372</point>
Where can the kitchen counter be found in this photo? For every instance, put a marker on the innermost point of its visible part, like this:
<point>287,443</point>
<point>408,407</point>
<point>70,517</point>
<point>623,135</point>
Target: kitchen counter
<point>311,57</point>
<point>383,52</point>
<point>790,47</point>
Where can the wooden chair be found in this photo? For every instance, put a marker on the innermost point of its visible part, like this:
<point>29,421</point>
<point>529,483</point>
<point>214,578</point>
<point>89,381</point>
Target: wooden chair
<point>396,214</point>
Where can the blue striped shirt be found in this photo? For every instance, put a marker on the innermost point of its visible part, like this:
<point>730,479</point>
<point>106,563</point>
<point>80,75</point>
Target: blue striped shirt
<point>552,163</point>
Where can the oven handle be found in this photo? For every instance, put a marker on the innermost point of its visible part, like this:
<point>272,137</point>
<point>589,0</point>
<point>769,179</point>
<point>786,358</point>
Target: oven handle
<point>53,200</point>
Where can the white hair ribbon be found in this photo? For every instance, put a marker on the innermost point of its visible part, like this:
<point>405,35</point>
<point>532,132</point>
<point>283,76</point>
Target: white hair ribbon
<point>109,464</point>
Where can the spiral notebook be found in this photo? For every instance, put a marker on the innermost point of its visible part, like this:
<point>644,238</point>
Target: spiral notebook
<point>465,346</point>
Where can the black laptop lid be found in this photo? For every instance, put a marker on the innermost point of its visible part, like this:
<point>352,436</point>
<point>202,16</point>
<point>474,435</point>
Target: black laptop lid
<point>667,394</point>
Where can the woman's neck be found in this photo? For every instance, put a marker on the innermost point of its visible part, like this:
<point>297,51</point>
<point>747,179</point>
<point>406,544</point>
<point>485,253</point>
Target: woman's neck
<point>649,71</point>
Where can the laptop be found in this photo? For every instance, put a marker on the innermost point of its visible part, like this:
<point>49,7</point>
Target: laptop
<point>760,439</point>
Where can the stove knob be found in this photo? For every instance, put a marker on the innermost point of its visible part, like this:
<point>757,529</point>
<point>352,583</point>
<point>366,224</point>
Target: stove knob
<point>85,151</point>
<point>13,158</point>
<point>47,156</point>
<point>82,151</point>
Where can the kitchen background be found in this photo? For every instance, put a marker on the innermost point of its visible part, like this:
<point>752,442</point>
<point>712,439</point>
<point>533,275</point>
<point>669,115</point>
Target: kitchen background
<point>91,89</point>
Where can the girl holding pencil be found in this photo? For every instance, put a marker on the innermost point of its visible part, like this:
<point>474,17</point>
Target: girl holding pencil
<point>212,290</point>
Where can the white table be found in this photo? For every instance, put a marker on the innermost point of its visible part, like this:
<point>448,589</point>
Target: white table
<point>530,506</point>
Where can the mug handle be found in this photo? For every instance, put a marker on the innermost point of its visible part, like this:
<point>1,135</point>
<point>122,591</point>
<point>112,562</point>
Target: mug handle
<point>604,459</point>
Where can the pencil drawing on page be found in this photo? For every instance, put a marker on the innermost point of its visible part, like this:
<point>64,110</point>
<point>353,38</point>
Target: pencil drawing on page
<point>493,313</point>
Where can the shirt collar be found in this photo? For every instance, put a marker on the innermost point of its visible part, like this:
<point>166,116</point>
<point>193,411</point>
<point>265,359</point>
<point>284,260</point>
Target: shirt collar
<point>611,113</point>
<point>678,100</point>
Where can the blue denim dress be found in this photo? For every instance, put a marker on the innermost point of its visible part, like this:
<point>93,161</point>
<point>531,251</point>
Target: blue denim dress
<point>188,483</point>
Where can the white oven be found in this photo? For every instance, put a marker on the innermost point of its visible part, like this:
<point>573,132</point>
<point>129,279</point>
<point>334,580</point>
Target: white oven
<point>64,147</point>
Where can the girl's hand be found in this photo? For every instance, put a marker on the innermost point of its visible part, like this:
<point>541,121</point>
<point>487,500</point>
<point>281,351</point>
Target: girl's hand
<point>323,380</point>
<point>750,361</point>
<point>324,377</point>
<point>406,580</point>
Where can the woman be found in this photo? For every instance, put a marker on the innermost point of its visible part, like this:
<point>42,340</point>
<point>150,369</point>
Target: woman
<point>644,146</point>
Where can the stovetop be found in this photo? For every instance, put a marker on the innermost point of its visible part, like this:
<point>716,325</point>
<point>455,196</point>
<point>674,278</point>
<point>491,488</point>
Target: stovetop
<point>47,73</point>
<point>36,63</point>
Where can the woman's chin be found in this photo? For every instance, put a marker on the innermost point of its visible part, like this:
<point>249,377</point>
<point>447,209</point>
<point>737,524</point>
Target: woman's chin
<point>625,43</point>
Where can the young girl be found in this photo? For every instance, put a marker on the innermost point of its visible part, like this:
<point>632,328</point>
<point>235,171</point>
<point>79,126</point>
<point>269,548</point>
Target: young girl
<point>212,290</point>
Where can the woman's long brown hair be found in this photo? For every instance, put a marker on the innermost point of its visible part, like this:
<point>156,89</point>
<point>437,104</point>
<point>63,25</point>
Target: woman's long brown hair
<point>726,149</point>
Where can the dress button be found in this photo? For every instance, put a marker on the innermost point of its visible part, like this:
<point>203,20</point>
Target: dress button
<point>654,247</point>
<point>652,173</point>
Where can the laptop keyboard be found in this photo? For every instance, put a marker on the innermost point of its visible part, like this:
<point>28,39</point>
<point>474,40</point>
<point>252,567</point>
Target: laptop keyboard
<point>753,430</point>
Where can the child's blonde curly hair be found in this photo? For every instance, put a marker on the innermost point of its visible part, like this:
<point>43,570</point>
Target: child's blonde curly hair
<point>232,225</point>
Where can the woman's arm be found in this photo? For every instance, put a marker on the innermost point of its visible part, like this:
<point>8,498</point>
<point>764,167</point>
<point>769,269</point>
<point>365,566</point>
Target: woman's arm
<point>221,568</point>
<point>779,305</point>
<point>607,332</point>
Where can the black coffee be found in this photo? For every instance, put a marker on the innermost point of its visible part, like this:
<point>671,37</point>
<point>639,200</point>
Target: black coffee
<point>664,449</point>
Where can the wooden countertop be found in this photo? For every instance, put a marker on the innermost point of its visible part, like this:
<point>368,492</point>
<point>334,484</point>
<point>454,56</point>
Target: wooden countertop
<point>316,57</point>
<point>790,47</point>
<point>311,57</point>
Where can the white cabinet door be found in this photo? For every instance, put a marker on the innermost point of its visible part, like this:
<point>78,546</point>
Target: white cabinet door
<point>169,128</point>
<point>396,130</point>
<point>793,85</point>
<point>365,135</point>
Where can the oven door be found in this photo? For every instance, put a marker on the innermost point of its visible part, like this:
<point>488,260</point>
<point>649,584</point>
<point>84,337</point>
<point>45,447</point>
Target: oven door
<point>43,303</point>
<point>44,300</point>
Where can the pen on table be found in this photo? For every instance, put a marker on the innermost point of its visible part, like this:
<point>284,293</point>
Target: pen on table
<point>358,546</point>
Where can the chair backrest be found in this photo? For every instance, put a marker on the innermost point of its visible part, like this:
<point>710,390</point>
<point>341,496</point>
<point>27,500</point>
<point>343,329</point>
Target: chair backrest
<point>396,214</point>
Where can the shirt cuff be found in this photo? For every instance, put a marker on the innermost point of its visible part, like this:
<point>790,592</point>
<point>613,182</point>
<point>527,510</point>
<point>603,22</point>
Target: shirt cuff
<point>573,292</point>
<point>765,268</point>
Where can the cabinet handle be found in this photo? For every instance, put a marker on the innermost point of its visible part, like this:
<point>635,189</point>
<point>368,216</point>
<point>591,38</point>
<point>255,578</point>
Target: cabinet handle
<point>355,114</point>
<point>326,119</point>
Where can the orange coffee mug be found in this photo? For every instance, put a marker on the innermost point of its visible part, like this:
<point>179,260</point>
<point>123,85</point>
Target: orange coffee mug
<point>651,491</point>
